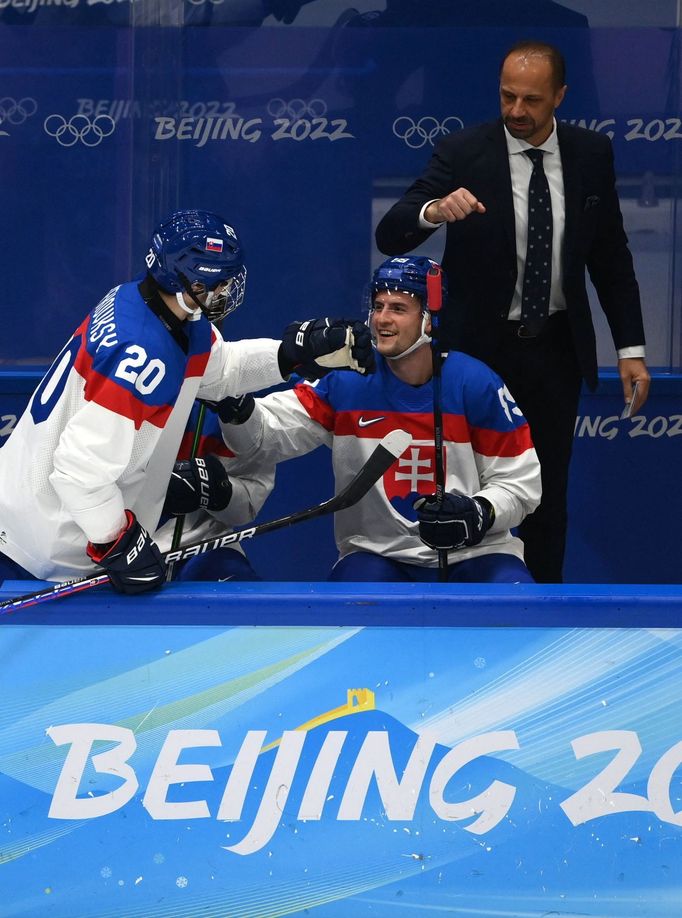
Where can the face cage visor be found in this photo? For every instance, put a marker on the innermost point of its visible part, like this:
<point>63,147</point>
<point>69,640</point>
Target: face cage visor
<point>225,297</point>
<point>221,300</point>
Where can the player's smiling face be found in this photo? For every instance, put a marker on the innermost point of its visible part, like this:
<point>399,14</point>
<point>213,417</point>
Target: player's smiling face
<point>396,321</point>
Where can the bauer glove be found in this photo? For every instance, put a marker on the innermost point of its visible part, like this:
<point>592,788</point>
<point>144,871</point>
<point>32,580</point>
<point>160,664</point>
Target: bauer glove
<point>197,484</point>
<point>454,522</point>
<point>133,561</point>
<point>315,347</point>
<point>232,410</point>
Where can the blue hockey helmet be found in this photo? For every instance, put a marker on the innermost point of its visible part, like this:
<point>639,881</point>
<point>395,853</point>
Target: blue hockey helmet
<point>199,247</point>
<point>406,274</point>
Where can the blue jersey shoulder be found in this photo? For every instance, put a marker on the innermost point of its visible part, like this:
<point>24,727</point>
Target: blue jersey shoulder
<point>479,393</point>
<point>130,346</point>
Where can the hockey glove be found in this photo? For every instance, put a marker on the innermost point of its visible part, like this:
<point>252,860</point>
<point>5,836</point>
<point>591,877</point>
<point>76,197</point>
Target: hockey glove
<point>197,484</point>
<point>133,561</point>
<point>315,347</point>
<point>233,410</point>
<point>455,522</point>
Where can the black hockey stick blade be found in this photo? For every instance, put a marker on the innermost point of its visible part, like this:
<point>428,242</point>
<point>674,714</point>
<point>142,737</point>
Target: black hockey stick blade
<point>385,454</point>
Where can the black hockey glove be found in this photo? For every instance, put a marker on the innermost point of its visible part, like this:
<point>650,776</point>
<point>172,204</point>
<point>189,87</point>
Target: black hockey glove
<point>315,347</point>
<point>233,410</point>
<point>133,561</point>
<point>455,522</point>
<point>197,484</point>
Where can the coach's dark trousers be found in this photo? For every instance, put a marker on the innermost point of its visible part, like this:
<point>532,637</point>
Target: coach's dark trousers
<point>542,375</point>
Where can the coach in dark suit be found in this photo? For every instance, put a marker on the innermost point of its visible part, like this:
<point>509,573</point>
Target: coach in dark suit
<point>538,336</point>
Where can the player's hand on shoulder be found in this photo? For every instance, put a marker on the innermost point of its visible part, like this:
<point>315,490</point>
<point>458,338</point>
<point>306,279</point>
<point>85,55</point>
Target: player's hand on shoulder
<point>197,484</point>
<point>362,349</point>
<point>315,347</point>
<point>455,522</point>
<point>132,561</point>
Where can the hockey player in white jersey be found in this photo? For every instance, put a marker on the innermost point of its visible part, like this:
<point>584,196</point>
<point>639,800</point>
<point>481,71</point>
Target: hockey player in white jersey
<point>492,474</point>
<point>84,474</point>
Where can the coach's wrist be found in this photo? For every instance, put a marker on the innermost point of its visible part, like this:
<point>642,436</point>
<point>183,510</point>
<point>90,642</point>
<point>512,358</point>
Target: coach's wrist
<point>431,213</point>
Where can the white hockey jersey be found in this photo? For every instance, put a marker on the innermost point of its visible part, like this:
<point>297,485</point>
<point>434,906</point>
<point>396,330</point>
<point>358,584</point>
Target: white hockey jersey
<point>102,429</point>
<point>487,451</point>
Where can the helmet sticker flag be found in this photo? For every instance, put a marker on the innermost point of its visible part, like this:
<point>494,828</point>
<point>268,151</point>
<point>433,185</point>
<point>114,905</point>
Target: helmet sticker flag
<point>214,245</point>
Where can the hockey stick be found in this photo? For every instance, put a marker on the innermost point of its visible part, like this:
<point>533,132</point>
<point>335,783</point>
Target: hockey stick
<point>389,449</point>
<point>434,298</point>
<point>180,522</point>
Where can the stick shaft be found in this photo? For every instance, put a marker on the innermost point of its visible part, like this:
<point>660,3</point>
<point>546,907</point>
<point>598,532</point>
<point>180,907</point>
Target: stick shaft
<point>385,454</point>
<point>180,521</point>
<point>434,291</point>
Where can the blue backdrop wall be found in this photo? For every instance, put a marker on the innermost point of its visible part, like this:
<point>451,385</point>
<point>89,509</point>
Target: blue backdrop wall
<point>302,122</point>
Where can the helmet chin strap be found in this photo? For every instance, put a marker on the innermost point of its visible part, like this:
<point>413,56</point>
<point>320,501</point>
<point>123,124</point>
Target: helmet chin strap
<point>422,339</point>
<point>199,306</point>
<point>180,297</point>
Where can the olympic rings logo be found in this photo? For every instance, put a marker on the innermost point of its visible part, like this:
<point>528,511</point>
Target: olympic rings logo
<point>17,112</point>
<point>91,133</point>
<point>297,108</point>
<point>427,130</point>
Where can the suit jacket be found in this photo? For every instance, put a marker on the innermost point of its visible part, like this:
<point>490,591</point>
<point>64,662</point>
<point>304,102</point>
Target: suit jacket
<point>480,251</point>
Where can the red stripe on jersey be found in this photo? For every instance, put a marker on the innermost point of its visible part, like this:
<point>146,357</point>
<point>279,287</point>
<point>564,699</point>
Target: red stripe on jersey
<point>197,364</point>
<point>376,424</point>
<point>317,408</point>
<point>109,394</point>
<point>208,444</point>
<point>501,443</point>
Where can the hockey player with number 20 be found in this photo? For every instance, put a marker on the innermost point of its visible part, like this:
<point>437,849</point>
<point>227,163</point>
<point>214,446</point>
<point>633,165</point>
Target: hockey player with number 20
<point>84,474</point>
<point>491,470</point>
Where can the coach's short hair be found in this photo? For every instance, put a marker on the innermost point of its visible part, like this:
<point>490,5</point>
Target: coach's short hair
<point>541,49</point>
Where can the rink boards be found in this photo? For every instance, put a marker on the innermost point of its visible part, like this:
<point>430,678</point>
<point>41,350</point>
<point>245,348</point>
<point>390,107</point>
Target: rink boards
<point>294,748</point>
